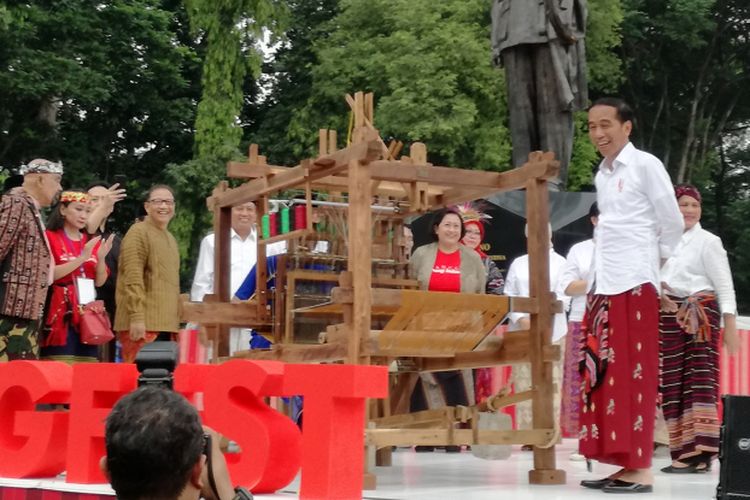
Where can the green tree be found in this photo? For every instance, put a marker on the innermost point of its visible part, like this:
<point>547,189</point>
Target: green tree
<point>287,80</point>
<point>687,68</point>
<point>109,89</point>
<point>605,75</point>
<point>230,30</point>
<point>429,66</point>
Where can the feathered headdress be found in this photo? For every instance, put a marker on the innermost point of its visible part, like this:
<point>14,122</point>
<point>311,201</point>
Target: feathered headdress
<point>473,212</point>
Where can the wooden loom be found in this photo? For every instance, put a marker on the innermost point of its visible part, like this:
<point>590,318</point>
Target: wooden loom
<point>374,318</point>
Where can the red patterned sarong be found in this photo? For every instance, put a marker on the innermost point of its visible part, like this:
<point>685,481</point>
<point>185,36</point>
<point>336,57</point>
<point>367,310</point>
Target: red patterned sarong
<point>620,368</point>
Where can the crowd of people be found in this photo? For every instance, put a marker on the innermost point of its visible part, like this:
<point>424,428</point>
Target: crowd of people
<point>645,298</point>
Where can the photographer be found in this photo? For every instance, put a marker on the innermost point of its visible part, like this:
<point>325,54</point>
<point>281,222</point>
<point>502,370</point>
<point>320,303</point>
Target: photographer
<point>157,449</point>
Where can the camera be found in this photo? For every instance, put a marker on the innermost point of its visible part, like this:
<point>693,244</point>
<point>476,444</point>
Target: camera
<point>156,363</point>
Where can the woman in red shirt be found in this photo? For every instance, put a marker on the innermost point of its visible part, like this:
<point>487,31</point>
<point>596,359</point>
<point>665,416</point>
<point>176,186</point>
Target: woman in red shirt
<point>77,258</point>
<point>446,266</point>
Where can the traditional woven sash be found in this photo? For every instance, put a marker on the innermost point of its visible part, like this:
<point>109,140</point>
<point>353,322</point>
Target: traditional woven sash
<point>692,317</point>
<point>595,344</point>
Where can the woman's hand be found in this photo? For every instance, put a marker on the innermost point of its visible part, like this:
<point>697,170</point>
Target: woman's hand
<point>731,337</point>
<point>104,248</point>
<point>89,247</point>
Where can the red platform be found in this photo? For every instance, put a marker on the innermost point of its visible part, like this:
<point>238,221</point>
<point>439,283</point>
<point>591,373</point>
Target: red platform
<point>52,489</point>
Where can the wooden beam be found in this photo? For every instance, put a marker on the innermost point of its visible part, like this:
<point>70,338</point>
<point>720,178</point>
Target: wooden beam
<point>321,167</point>
<point>438,437</point>
<point>240,170</point>
<point>546,168</point>
<point>360,253</point>
<point>226,313</point>
<point>294,353</point>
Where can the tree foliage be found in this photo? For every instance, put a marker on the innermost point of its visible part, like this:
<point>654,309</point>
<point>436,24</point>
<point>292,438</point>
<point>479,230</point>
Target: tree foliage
<point>688,67</point>
<point>109,89</point>
<point>428,64</point>
<point>230,30</point>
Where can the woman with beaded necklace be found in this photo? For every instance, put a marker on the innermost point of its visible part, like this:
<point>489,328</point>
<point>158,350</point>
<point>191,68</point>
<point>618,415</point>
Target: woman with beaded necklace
<point>77,257</point>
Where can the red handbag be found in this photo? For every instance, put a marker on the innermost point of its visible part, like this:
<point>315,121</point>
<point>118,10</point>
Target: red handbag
<point>94,326</point>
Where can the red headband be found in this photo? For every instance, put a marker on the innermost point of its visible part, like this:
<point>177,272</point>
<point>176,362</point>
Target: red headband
<point>687,190</point>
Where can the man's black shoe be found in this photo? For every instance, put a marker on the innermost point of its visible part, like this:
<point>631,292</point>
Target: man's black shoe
<point>595,484</point>
<point>619,486</point>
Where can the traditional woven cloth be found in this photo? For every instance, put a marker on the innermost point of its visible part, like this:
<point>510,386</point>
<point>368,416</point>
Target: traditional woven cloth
<point>570,404</point>
<point>617,417</point>
<point>690,377</point>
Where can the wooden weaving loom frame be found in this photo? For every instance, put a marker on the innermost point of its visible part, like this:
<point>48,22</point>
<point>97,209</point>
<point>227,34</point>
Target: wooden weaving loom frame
<point>368,168</point>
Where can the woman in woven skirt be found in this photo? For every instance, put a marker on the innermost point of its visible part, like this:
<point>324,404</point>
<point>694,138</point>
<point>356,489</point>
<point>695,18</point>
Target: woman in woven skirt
<point>697,292</point>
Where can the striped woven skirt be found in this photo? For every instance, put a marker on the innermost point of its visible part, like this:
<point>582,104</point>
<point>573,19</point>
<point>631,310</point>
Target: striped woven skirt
<point>690,383</point>
<point>570,405</point>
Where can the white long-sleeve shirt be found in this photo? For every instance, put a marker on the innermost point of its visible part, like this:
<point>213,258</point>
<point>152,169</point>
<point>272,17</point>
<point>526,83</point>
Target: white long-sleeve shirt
<point>244,254</point>
<point>517,285</point>
<point>577,267</point>
<point>639,221</point>
<point>700,263</point>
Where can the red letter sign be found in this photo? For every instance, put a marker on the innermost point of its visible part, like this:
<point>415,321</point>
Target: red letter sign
<point>333,430</point>
<point>32,444</point>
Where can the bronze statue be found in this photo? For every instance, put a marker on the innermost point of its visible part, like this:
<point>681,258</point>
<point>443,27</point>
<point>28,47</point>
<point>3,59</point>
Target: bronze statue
<point>541,45</point>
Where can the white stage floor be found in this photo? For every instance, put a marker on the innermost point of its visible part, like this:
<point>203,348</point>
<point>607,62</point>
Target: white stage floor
<point>461,475</point>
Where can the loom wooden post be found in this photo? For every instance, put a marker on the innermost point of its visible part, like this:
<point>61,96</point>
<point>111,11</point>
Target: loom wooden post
<point>537,212</point>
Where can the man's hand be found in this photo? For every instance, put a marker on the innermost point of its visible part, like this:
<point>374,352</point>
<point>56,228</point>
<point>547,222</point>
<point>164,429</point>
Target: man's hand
<point>219,470</point>
<point>137,331</point>
<point>114,194</point>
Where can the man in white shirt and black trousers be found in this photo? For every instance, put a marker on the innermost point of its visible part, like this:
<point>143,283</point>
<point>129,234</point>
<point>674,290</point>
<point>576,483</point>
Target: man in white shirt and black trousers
<point>639,226</point>
<point>244,253</point>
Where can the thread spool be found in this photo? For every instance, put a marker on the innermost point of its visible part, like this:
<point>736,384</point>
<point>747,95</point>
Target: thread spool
<point>265,226</point>
<point>300,217</point>
<point>273,223</point>
<point>284,220</point>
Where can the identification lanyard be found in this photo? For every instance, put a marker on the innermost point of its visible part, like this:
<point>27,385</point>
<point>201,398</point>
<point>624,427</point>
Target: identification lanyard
<point>85,290</point>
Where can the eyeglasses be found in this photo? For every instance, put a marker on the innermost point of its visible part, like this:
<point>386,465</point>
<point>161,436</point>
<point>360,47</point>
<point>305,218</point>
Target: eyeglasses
<point>161,202</point>
<point>475,233</point>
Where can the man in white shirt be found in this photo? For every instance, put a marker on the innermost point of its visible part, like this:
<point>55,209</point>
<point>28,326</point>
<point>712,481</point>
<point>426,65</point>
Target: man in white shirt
<point>244,251</point>
<point>639,226</point>
<point>517,285</point>
<point>574,281</point>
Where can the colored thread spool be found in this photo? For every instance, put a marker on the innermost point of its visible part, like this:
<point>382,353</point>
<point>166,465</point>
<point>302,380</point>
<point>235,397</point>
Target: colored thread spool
<point>284,220</point>
<point>265,226</point>
<point>273,223</point>
<point>300,216</point>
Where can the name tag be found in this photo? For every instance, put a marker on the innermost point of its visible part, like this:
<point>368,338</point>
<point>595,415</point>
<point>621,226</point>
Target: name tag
<point>86,291</point>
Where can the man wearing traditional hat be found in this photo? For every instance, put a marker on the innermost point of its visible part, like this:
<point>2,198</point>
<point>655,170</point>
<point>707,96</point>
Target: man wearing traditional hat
<point>25,258</point>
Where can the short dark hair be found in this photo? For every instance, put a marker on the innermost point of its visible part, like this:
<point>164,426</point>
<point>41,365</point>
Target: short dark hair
<point>438,217</point>
<point>154,439</point>
<point>155,187</point>
<point>623,111</point>
<point>594,210</point>
<point>56,220</point>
